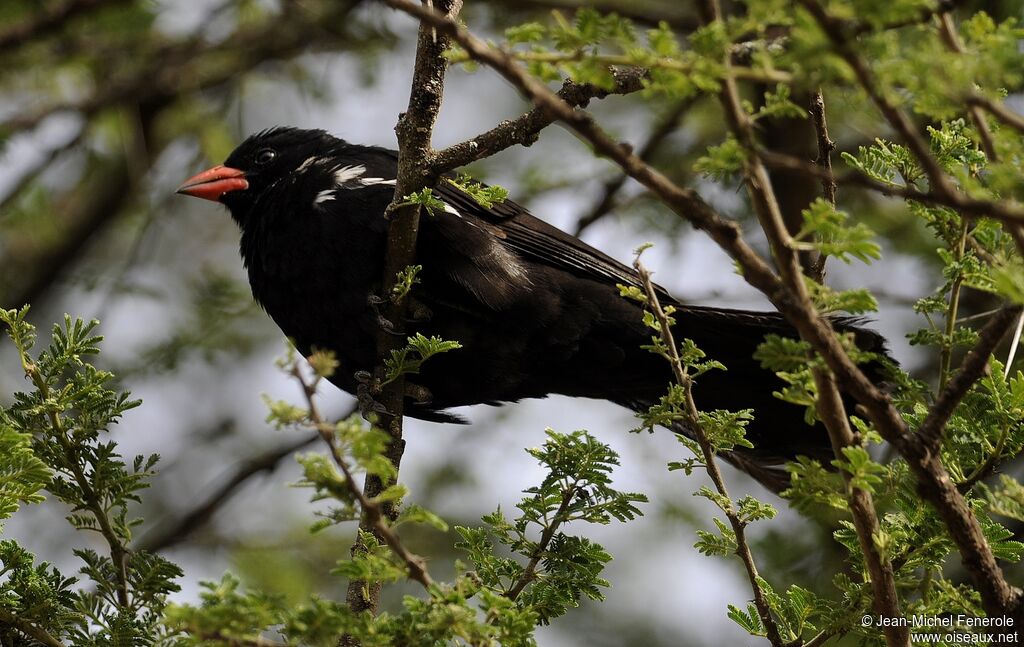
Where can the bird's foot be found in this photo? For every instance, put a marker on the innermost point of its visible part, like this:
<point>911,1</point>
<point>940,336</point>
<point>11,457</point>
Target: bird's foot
<point>417,311</point>
<point>367,388</point>
<point>375,302</point>
<point>419,394</point>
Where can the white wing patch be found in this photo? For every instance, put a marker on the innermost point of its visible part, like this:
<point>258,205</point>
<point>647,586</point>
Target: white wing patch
<point>346,173</point>
<point>452,210</point>
<point>310,161</point>
<point>369,181</point>
<point>324,196</point>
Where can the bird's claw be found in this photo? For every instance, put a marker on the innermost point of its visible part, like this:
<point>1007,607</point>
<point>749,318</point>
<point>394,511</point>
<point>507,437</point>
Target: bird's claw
<point>367,388</point>
<point>417,311</point>
<point>375,302</point>
<point>419,394</point>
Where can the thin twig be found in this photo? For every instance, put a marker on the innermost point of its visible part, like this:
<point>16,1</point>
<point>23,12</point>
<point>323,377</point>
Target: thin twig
<point>971,370</point>
<point>1014,343</point>
<point>837,32</point>
<point>529,573</point>
<point>31,630</point>
<point>953,310</point>
<point>693,424</point>
<point>201,514</point>
<point>622,60</point>
<point>998,110</point>
<point>606,203</point>
<point>1004,210</point>
<point>374,515</point>
<point>524,129</point>
<point>828,180</point>
<point>947,31</point>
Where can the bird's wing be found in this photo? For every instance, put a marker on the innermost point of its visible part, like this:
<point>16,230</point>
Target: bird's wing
<point>531,238</point>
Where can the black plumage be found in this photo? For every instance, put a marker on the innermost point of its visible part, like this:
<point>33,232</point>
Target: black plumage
<point>536,310</point>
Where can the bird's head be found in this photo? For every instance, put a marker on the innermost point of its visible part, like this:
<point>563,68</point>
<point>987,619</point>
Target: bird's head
<point>258,164</point>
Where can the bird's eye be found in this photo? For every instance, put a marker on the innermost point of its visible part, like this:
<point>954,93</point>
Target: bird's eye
<point>265,156</point>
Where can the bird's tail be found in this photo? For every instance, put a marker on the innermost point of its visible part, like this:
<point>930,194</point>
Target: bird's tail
<point>778,431</point>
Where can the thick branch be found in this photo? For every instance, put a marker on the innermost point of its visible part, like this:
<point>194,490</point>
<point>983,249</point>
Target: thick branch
<point>830,405</point>
<point>414,130</point>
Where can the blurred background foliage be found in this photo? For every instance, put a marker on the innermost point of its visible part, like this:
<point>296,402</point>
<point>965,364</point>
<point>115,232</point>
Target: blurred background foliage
<point>107,105</point>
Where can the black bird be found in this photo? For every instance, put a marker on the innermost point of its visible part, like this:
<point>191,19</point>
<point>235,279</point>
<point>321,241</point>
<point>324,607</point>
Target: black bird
<point>536,310</point>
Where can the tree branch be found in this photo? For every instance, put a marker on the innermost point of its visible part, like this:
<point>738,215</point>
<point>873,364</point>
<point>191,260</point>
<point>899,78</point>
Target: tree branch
<point>1006,211</point>
<point>201,514</point>
<point>998,110</point>
<point>737,524</point>
<point>34,632</point>
<point>971,370</point>
<point>829,404</point>
<point>524,130</point>
<point>606,203</point>
<point>935,484</point>
<point>50,18</point>
<point>375,517</point>
<point>414,130</point>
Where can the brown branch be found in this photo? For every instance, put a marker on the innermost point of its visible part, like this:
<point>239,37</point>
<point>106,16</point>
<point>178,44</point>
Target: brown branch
<point>414,130</point>
<point>829,404</point>
<point>885,600</point>
<point>529,573</point>
<point>606,203</point>
<point>998,110</point>
<point>708,452</point>
<point>201,514</point>
<point>524,130</point>
<point>947,31</point>
<point>1003,210</point>
<point>375,516</point>
<point>50,18</point>
<point>837,31</point>
<point>828,182</point>
<point>34,632</point>
<point>934,481</point>
<point>971,370</point>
